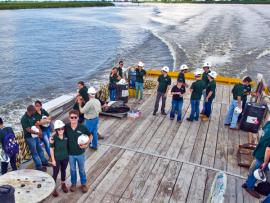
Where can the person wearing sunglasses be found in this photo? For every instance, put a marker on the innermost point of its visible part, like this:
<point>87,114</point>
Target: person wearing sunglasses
<point>73,131</point>
<point>59,154</point>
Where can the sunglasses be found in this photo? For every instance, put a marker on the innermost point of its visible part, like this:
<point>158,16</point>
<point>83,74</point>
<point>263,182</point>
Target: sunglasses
<point>60,129</point>
<point>73,117</point>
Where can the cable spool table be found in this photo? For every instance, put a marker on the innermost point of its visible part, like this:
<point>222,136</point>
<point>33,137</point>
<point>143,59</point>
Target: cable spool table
<point>30,185</point>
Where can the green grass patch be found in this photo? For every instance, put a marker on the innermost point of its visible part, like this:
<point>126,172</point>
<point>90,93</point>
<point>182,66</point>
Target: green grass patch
<point>51,4</point>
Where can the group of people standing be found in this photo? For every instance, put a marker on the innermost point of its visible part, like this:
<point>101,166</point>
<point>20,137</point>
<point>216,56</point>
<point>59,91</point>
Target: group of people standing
<point>204,84</point>
<point>60,139</point>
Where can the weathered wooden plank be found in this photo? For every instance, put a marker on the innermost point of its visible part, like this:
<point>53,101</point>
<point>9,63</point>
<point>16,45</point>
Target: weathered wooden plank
<point>181,188</point>
<point>165,189</point>
<point>197,187</point>
<point>210,144</point>
<point>148,191</point>
<point>222,140</point>
<point>104,186</point>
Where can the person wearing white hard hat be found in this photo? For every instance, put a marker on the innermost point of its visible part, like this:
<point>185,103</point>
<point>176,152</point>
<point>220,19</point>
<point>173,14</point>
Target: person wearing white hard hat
<point>210,95</point>
<point>238,92</point>
<point>177,92</point>
<point>113,79</point>
<point>164,82</point>
<point>206,71</point>
<point>261,156</point>
<point>91,111</point>
<point>6,133</point>
<point>59,154</point>
<point>73,131</point>
<point>181,76</point>
<point>140,73</point>
<point>28,121</point>
<point>196,94</point>
<point>43,120</point>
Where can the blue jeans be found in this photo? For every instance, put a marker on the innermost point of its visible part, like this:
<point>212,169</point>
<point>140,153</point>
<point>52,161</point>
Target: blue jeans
<point>208,108</point>
<point>232,116</point>
<point>36,151</point>
<point>80,159</point>
<point>195,110</point>
<point>176,106</point>
<point>46,133</point>
<point>92,126</point>
<point>267,200</point>
<point>112,94</point>
<point>139,90</point>
<point>251,180</point>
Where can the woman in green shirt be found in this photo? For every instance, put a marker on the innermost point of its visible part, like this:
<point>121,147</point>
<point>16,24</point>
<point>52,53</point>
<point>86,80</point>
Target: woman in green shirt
<point>59,154</point>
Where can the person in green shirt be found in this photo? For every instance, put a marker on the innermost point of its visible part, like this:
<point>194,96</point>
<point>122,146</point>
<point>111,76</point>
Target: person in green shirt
<point>206,71</point>
<point>82,91</point>
<point>210,95</point>
<point>43,120</point>
<point>164,82</point>
<point>261,156</point>
<point>113,79</point>
<point>120,68</point>
<point>28,121</point>
<point>59,154</point>
<point>232,114</point>
<point>181,75</point>
<point>76,152</point>
<point>140,73</point>
<point>196,94</point>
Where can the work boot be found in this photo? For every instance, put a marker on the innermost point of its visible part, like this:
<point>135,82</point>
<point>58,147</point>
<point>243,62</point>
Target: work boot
<point>205,118</point>
<point>84,188</point>
<point>72,188</point>
<point>55,193</point>
<point>253,193</point>
<point>64,187</point>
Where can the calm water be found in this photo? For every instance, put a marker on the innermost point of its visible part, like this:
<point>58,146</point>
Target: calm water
<point>43,53</point>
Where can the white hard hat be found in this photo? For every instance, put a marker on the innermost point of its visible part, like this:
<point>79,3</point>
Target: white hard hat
<point>259,175</point>
<point>198,72</point>
<point>91,90</point>
<point>213,74</point>
<point>141,64</point>
<point>122,82</point>
<point>165,69</point>
<point>238,110</point>
<point>58,124</point>
<point>184,67</point>
<point>207,64</point>
<point>47,124</point>
<point>34,128</point>
<point>83,139</point>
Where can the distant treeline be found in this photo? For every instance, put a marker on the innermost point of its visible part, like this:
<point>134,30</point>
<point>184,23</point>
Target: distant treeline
<point>209,1</point>
<point>51,4</point>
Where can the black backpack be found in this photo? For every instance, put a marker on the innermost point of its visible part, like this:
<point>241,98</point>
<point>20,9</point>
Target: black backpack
<point>263,188</point>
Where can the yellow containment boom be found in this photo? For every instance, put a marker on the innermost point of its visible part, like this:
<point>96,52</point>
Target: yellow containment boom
<point>190,76</point>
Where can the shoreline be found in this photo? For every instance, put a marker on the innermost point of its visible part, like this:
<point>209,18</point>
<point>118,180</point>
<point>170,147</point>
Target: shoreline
<point>13,5</point>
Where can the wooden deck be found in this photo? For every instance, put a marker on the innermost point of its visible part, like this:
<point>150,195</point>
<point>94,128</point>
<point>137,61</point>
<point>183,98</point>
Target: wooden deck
<point>122,175</point>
